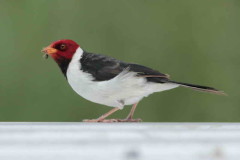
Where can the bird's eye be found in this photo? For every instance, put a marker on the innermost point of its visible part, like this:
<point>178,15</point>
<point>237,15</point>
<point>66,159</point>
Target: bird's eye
<point>62,47</point>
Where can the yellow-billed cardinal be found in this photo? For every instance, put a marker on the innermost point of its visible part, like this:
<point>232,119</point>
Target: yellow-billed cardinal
<point>108,81</point>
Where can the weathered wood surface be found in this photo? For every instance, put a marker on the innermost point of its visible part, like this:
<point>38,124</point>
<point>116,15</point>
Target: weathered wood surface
<point>120,141</point>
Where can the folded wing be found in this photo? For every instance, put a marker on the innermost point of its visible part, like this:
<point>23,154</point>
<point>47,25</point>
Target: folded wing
<point>104,68</point>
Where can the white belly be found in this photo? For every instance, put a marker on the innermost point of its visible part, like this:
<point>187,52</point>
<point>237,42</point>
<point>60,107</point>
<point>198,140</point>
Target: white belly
<point>124,89</point>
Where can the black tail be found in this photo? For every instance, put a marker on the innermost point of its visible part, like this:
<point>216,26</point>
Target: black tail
<point>200,88</point>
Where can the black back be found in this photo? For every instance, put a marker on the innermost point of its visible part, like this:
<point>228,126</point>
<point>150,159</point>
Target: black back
<point>104,68</point>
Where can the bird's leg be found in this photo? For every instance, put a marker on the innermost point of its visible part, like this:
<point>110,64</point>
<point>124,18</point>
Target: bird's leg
<point>130,115</point>
<point>102,118</point>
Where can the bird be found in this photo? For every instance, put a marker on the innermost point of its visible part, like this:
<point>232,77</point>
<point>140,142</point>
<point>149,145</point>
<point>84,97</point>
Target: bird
<point>107,81</point>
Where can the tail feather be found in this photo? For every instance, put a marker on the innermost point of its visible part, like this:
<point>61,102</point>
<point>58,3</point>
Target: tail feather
<point>200,88</point>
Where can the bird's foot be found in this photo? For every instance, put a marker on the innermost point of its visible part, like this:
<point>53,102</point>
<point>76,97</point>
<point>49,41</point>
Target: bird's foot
<point>130,120</point>
<point>101,120</point>
<point>91,120</point>
<point>112,120</point>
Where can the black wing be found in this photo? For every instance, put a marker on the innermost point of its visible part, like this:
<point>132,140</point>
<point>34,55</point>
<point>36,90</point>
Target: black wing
<point>103,68</point>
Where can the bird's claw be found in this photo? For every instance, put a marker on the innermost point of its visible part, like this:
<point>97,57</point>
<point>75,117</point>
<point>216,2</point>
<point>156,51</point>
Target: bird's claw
<point>112,120</point>
<point>130,120</point>
<point>99,120</point>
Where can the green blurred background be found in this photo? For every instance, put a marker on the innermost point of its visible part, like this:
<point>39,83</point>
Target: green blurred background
<point>193,41</point>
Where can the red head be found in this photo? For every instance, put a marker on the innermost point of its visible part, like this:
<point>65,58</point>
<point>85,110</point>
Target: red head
<point>61,50</point>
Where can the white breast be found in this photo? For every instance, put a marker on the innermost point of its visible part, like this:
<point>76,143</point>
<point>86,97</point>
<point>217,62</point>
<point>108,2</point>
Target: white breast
<point>83,83</point>
<point>124,89</point>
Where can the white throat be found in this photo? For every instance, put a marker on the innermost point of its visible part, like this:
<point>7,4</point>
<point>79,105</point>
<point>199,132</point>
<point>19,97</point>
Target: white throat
<point>74,72</point>
<point>78,55</point>
<point>78,79</point>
